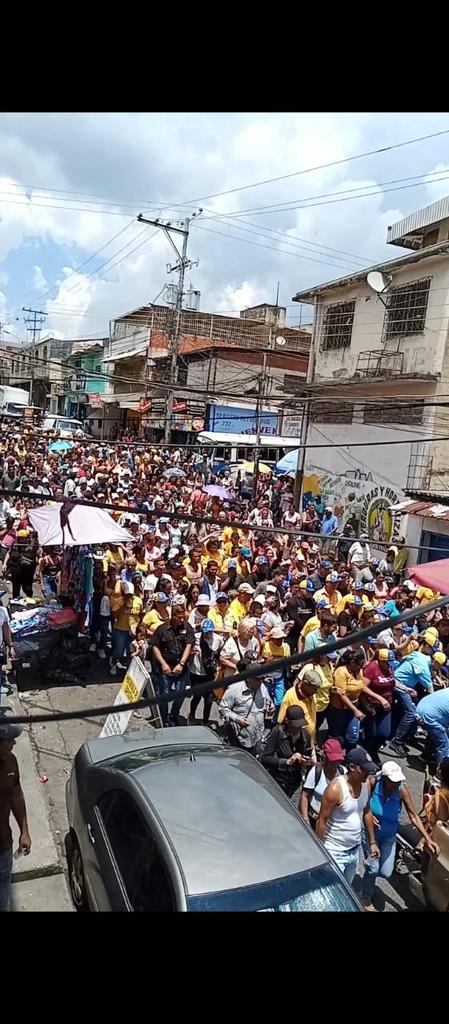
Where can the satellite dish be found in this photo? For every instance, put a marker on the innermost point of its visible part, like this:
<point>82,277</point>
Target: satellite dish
<point>377,281</point>
<point>280,341</point>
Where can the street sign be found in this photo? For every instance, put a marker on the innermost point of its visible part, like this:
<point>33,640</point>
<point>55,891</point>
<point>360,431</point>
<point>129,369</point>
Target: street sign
<point>133,685</point>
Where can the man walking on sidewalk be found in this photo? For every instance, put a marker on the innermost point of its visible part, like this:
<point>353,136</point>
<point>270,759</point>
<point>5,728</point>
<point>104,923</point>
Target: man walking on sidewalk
<point>11,800</point>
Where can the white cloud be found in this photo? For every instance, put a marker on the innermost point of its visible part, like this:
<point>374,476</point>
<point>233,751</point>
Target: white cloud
<point>39,280</point>
<point>174,158</point>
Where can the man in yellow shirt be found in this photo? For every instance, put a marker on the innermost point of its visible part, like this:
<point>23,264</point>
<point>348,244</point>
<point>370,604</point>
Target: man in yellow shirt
<point>329,592</point>
<point>313,623</point>
<point>218,614</point>
<point>303,694</point>
<point>159,613</point>
<point>239,607</point>
<point>274,648</point>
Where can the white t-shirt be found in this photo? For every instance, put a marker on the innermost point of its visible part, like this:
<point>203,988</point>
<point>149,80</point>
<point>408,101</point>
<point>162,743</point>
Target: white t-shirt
<point>235,652</point>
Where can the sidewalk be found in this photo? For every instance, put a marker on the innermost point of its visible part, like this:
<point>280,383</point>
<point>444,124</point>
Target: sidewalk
<point>38,879</point>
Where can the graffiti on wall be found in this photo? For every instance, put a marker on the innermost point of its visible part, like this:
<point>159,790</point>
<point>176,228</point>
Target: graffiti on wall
<point>357,498</point>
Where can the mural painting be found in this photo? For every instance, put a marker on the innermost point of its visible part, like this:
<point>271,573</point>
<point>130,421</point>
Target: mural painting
<point>357,498</point>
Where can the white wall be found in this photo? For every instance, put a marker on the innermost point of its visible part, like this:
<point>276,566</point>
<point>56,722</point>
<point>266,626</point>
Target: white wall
<point>422,353</point>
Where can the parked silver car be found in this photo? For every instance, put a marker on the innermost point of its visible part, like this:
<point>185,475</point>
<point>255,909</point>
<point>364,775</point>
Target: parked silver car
<point>173,819</point>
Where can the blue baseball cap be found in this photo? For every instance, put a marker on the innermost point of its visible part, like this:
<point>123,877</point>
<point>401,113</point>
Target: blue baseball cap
<point>310,586</point>
<point>232,564</point>
<point>372,639</point>
<point>160,598</point>
<point>325,564</point>
<point>383,612</point>
<point>333,577</point>
<point>322,603</point>
<point>246,552</point>
<point>391,656</point>
<point>407,630</point>
<point>357,601</point>
<point>332,655</point>
<point>370,586</point>
<point>221,596</point>
<point>163,519</point>
<point>261,560</point>
<point>375,561</point>
<point>207,626</point>
<point>359,585</point>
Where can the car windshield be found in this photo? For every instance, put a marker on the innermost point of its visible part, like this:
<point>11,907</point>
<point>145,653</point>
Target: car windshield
<point>320,889</point>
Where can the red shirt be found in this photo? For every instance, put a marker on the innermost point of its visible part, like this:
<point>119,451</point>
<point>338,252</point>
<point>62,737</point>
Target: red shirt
<point>380,679</point>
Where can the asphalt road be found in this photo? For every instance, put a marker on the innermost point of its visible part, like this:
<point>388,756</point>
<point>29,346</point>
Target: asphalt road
<point>55,745</point>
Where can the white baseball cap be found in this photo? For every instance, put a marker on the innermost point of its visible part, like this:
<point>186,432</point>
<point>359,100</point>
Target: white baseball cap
<point>246,588</point>
<point>392,771</point>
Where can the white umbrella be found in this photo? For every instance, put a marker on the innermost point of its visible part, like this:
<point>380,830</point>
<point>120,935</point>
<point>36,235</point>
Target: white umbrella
<point>86,525</point>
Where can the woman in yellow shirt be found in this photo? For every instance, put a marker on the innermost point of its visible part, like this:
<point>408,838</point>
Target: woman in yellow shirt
<point>158,614</point>
<point>349,684</point>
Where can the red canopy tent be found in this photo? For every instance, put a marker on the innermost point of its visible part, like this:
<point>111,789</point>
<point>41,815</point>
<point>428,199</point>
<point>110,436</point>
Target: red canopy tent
<point>434,575</point>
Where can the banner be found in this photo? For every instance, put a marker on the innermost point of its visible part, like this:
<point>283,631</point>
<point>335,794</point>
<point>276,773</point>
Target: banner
<point>136,680</point>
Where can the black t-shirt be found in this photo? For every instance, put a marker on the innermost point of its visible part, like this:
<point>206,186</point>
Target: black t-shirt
<point>172,643</point>
<point>345,619</point>
<point>278,749</point>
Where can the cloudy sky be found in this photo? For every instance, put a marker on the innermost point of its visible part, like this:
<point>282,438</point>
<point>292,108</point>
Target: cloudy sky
<point>71,186</point>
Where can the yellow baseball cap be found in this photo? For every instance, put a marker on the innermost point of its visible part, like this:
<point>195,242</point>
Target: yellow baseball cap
<point>383,654</point>
<point>431,636</point>
<point>440,658</point>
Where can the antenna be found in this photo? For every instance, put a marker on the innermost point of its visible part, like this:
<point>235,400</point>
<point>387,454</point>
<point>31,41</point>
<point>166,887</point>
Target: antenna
<point>277,295</point>
<point>379,283</point>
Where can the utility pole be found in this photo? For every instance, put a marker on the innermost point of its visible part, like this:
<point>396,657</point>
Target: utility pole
<point>180,267</point>
<point>33,324</point>
<point>259,412</point>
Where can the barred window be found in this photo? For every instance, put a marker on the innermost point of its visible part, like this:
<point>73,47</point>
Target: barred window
<point>336,331</point>
<point>406,309</point>
<point>408,412</point>
<point>331,412</point>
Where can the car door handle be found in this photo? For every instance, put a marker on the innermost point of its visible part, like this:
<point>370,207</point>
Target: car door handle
<point>90,833</point>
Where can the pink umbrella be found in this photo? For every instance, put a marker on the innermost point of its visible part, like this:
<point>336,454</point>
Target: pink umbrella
<point>434,575</point>
<point>218,492</point>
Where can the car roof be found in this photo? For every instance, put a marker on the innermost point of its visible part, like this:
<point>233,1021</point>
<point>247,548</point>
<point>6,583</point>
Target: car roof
<point>114,746</point>
<point>229,824</point>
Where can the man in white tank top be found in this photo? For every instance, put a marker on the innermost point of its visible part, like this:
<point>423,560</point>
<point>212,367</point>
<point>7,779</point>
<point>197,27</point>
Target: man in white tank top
<point>344,806</point>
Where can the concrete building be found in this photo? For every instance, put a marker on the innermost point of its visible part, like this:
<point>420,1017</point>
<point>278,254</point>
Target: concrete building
<point>83,382</point>
<point>39,367</point>
<point>379,373</point>
<point>215,353</point>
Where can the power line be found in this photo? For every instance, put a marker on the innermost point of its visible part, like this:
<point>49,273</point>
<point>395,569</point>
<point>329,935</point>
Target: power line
<point>319,167</point>
<point>428,176</point>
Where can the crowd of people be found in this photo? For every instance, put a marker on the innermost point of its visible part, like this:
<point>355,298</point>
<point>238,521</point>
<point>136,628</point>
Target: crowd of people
<point>219,578</point>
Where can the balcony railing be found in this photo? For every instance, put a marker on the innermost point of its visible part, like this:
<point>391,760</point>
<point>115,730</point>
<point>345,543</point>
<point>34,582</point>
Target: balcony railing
<point>378,363</point>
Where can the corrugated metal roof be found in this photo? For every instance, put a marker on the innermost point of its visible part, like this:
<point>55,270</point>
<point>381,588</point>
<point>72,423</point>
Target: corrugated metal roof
<point>424,218</point>
<point>426,509</point>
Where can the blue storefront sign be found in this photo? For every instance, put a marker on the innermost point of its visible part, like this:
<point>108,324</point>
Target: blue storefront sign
<point>233,420</point>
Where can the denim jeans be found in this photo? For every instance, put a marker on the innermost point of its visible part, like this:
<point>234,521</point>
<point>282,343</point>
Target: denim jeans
<point>168,686</point>
<point>439,742</point>
<point>5,880</point>
<point>103,623</point>
<point>347,861</point>
<point>121,641</point>
<point>338,720</point>
<point>49,586</point>
<point>383,866</point>
<point>408,715</point>
<point>377,729</point>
